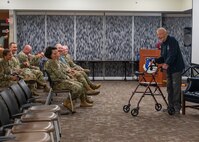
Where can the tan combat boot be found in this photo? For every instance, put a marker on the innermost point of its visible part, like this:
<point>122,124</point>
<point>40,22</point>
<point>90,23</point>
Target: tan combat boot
<point>44,84</point>
<point>68,105</point>
<point>34,92</point>
<point>86,70</point>
<point>89,100</point>
<point>46,88</point>
<point>92,92</point>
<point>84,103</point>
<point>95,86</point>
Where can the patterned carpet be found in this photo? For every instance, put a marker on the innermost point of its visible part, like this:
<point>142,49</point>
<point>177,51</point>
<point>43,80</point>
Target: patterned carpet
<point>106,121</point>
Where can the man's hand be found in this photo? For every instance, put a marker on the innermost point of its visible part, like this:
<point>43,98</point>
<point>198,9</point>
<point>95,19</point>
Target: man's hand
<point>18,70</point>
<point>14,78</point>
<point>73,72</point>
<point>165,66</point>
<point>26,64</point>
<point>40,55</point>
<point>68,70</point>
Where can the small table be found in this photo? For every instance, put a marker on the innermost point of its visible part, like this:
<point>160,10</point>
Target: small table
<point>102,61</point>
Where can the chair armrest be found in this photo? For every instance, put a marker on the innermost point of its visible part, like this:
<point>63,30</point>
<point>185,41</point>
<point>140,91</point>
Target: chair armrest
<point>49,97</point>
<point>26,106</point>
<point>17,115</point>
<point>139,73</point>
<point>9,126</point>
<point>193,84</point>
<point>7,138</point>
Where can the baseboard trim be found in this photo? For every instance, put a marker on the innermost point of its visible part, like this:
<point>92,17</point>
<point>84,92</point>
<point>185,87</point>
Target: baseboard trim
<point>112,78</point>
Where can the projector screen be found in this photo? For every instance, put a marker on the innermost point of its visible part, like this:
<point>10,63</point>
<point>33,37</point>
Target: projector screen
<point>195,32</point>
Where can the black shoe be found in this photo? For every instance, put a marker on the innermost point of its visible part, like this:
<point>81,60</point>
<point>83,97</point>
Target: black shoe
<point>171,111</point>
<point>177,112</point>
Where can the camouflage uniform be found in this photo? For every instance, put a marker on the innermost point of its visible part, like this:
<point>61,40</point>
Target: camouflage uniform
<point>5,73</point>
<point>35,70</point>
<point>63,81</point>
<point>35,61</point>
<point>26,73</point>
<point>70,62</point>
<point>25,58</point>
<point>79,74</point>
<point>39,62</point>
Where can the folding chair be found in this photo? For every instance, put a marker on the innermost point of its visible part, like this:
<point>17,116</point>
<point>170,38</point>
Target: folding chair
<point>29,116</point>
<point>42,131</point>
<point>55,91</point>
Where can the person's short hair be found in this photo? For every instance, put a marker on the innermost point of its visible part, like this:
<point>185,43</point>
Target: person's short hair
<point>57,45</point>
<point>5,52</point>
<point>11,44</point>
<point>162,29</point>
<point>48,51</point>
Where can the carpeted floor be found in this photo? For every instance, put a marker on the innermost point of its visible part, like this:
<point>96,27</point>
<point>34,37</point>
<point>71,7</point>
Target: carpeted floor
<point>106,121</point>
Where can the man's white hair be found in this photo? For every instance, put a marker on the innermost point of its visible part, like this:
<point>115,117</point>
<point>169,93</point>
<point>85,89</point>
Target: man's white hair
<point>58,45</point>
<point>161,29</point>
<point>65,47</point>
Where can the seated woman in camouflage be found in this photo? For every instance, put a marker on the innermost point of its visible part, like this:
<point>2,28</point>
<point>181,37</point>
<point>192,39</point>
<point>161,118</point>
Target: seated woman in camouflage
<point>7,76</point>
<point>58,74</point>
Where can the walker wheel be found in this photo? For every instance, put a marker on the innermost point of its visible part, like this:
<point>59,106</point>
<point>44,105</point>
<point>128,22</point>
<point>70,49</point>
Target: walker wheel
<point>135,111</point>
<point>158,107</point>
<point>126,108</point>
<point>171,111</point>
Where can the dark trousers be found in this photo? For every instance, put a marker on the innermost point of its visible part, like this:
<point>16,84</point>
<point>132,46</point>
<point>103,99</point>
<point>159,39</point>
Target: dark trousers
<point>174,81</point>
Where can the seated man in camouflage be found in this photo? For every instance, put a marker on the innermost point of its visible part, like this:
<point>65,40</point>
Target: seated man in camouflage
<point>69,60</point>
<point>73,71</point>
<point>36,60</point>
<point>24,58</point>
<point>63,81</point>
<point>7,76</point>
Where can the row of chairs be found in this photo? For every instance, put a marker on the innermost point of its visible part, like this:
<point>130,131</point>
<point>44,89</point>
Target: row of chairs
<point>22,119</point>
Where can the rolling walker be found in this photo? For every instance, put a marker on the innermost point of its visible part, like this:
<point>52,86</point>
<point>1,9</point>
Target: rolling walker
<point>150,69</point>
